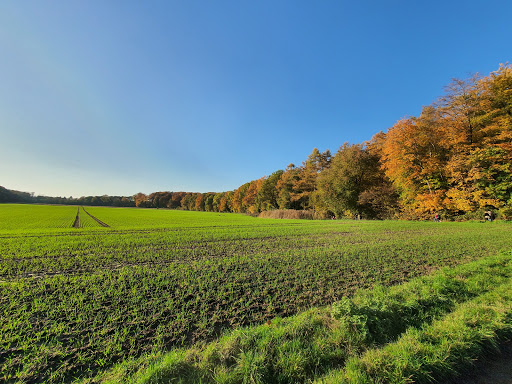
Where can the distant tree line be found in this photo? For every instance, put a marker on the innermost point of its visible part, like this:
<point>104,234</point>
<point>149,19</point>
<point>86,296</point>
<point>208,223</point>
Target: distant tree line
<point>454,159</point>
<point>349,183</point>
<point>12,196</point>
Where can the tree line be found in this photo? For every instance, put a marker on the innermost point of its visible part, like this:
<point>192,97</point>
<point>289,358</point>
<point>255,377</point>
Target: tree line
<point>454,159</point>
<point>13,196</point>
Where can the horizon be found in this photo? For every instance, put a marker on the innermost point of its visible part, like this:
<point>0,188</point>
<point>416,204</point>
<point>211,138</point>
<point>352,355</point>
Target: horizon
<point>99,99</point>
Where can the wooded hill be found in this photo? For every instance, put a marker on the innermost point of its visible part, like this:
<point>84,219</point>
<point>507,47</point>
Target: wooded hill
<point>454,159</point>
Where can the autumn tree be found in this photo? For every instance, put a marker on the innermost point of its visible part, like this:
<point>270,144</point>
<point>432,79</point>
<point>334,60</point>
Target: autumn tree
<point>461,107</point>
<point>285,188</point>
<point>414,156</point>
<point>159,199</point>
<point>208,201</point>
<point>175,201</point>
<point>225,204</point>
<point>140,199</point>
<point>188,201</point>
<point>379,198</point>
<point>199,202</point>
<point>497,118</point>
<point>216,201</point>
<point>351,171</point>
<point>478,168</point>
<point>249,200</point>
<point>237,204</point>
<point>303,184</point>
<point>268,194</point>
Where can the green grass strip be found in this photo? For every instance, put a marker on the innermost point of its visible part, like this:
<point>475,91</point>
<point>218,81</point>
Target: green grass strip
<point>438,351</point>
<point>383,313</point>
<point>300,348</point>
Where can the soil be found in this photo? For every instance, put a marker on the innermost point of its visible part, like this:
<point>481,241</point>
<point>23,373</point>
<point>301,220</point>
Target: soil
<point>76,224</point>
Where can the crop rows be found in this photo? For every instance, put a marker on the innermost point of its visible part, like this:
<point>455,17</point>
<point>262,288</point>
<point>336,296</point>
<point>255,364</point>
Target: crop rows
<point>87,220</point>
<point>22,218</point>
<point>321,341</point>
<point>16,217</point>
<point>77,301</point>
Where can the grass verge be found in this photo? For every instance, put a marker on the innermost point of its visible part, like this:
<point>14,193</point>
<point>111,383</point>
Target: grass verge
<point>437,351</point>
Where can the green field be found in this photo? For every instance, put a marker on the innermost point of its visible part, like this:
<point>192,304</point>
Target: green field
<point>76,301</point>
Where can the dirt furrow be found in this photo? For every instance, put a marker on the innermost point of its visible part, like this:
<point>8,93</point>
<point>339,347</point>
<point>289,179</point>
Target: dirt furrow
<point>76,224</point>
<point>97,220</point>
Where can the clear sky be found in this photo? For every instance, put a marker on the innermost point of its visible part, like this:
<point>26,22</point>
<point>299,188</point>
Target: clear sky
<point>119,97</point>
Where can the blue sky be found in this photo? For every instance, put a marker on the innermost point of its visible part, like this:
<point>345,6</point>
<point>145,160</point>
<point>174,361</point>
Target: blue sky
<point>120,97</point>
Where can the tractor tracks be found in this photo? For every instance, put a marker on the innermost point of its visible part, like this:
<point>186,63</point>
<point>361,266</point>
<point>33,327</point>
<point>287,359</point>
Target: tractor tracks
<point>77,222</point>
<point>96,219</point>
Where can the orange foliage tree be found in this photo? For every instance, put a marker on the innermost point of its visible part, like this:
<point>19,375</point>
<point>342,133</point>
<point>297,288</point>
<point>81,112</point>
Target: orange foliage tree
<point>414,155</point>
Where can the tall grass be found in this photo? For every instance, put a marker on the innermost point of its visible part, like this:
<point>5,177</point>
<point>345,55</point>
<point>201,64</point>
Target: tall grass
<point>437,351</point>
<point>292,214</point>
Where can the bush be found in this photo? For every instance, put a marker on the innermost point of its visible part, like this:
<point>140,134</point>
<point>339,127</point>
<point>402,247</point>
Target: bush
<point>476,215</point>
<point>506,212</point>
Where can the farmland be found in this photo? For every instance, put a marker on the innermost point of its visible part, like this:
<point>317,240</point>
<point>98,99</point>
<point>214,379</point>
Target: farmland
<point>75,301</point>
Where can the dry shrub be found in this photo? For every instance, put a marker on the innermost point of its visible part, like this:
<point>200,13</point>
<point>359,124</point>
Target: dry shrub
<point>288,214</point>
